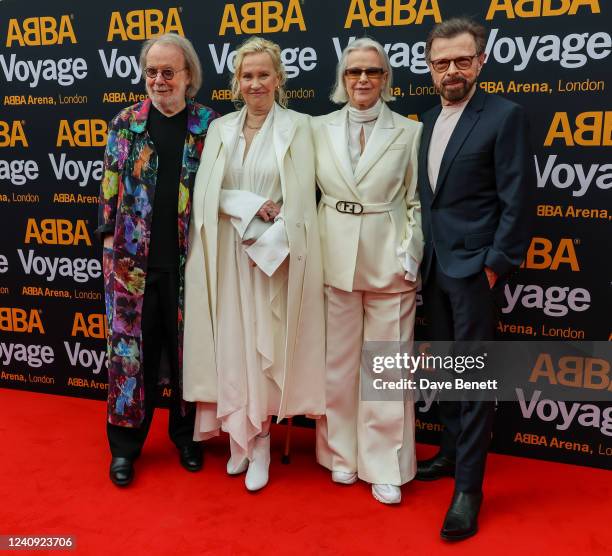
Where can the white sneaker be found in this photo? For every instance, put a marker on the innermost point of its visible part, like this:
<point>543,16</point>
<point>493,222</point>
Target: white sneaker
<point>257,473</point>
<point>344,478</point>
<point>233,469</point>
<point>387,494</point>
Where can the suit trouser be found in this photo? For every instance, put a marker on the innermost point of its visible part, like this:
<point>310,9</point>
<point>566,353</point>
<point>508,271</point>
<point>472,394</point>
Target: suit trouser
<point>373,438</point>
<point>463,309</point>
<point>159,328</point>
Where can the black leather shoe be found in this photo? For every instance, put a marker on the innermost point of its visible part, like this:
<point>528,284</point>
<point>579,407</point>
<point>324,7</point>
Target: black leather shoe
<point>121,471</point>
<point>191,456</point>
<point>461,520</point>
<point>435,468</point>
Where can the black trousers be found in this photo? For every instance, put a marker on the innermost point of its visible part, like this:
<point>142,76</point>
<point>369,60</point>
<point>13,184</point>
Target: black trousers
<point>159,330</point>
<point>463,309</point>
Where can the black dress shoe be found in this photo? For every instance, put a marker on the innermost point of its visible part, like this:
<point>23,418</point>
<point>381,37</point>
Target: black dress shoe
<point>435,468</point>
<point>121,471</point>
<point>461,520</point>
<point>191,456</point>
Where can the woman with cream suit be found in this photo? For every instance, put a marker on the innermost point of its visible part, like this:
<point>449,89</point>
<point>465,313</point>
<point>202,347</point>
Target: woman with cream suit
<point>254,321</point>
<point>369,221</point>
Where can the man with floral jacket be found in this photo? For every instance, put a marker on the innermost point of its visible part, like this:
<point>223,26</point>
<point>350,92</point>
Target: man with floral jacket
<point>151,159</point>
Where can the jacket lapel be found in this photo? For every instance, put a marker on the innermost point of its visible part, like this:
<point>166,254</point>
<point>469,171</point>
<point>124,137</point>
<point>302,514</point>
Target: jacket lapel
<point>425,142</point>
<point>283,130</point>
<point>464,126</point>
<point>209,205</point>
<point>196,125</point>
<point>229,130</point>
<point>383,134</point>
<point>139,116</point>
<point>338,139</point>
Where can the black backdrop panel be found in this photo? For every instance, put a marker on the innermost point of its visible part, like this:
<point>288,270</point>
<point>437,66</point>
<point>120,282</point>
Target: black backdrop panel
<point>67,67</point>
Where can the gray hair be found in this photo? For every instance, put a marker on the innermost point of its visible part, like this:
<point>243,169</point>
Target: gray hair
<point>192,62</point>
<point>453,27</point>
<point>258,45</point>
<point>339,94</point>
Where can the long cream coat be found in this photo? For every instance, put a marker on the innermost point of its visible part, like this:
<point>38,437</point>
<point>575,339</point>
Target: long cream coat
<point>302,381</point>
<point>379,178</point>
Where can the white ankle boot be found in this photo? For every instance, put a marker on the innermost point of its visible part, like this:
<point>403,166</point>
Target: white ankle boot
<point>234,468</point>
<point>257,473</point>
<point>344,478</point>
<point>238,461</point>
<point>387,494</point>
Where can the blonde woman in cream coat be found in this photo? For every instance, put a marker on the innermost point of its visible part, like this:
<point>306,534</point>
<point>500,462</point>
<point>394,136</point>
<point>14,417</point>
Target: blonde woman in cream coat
<point>369,221</point>
<point>254,321</point>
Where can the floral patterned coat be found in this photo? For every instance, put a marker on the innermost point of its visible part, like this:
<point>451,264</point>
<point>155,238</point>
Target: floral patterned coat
<point>127,193</point>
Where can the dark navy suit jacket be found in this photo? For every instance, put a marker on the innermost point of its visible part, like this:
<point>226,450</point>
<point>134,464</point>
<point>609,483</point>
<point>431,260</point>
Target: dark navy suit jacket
<point>480,212</point>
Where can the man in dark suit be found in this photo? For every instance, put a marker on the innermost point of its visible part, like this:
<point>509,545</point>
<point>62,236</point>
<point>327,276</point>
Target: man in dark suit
<point>475,174</point>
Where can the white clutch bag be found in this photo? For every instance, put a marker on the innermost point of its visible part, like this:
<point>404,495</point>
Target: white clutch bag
<point>255,229</point>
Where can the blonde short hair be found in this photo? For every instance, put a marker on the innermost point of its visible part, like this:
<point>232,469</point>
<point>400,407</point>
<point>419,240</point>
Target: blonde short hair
<point>257,45</point>
<point>192,62</point>
<point>339,94</point>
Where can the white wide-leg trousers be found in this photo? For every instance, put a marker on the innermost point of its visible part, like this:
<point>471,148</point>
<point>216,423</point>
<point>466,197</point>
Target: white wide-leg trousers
<point>373,438</point>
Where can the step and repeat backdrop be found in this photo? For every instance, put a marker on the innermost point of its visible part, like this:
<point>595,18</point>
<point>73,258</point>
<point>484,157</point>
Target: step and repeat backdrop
<point>67,67</point>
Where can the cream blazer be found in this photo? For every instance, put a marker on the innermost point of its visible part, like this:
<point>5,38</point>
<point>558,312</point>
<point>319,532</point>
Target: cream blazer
<point>364,252</point>
<point>302,381</point>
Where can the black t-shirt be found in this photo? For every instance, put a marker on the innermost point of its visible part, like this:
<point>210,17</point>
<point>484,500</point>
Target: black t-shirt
<point>168,136</point>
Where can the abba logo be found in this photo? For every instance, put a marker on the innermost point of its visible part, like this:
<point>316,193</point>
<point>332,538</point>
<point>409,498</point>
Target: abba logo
<point>93,325</point>
<point>555,301</point>
<point>573,371</point>
<point>581,176</point>
<point>144,24</point>
<point>40,31</point>
<point>592,129</point>
<point>56,232</point>
<point>540,8</point>
<point>82,133</point>
<point>550,410</point>
<point>542,255</point>
<point>391,12</point>
<point>13,319</point>
<point>262,17</point>
<point>12,133</point>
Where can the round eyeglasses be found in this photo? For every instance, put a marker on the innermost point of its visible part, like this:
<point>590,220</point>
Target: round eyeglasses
<point>167,74</point>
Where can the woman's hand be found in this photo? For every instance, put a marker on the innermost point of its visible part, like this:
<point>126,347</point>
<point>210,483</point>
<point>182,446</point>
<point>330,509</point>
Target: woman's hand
<point>268,211</point>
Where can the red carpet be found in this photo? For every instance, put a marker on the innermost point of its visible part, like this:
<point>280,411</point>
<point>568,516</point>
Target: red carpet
<point>53,481</point>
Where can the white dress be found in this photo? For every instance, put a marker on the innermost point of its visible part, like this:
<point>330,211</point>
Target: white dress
<point>252,300</point>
